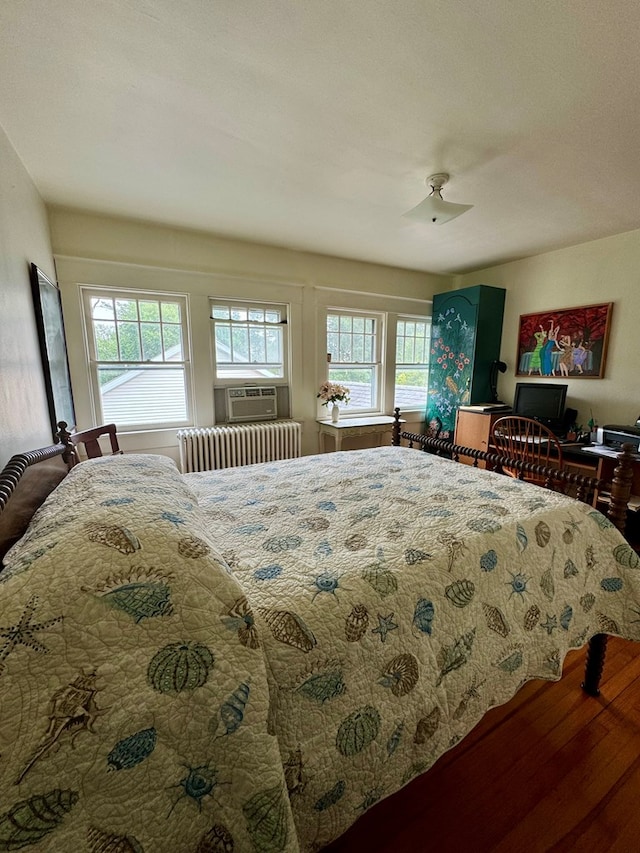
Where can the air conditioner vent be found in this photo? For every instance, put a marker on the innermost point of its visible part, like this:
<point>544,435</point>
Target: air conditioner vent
<point>252,404</point>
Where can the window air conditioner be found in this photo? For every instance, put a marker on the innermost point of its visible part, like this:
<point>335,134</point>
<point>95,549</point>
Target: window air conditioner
<point>252,403</point>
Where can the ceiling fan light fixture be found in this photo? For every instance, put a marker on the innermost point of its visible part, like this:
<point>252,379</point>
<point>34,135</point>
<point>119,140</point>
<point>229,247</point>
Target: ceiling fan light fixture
<point>434,208</point>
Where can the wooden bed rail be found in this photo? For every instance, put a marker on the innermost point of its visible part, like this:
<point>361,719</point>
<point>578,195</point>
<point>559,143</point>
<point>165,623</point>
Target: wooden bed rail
<point>618,489</point>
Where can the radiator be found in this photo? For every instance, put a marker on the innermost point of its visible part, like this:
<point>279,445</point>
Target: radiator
<point>210,448</point>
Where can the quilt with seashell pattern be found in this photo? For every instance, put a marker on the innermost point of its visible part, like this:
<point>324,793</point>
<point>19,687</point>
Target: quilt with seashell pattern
<point>249,659</point>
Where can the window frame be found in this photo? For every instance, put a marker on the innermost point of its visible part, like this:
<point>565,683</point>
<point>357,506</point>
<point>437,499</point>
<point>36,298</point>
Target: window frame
<point>387,344</point>
<point>416,318</point>
<point>258,304</point>
<point>89,292</point>
<point>377,365</point>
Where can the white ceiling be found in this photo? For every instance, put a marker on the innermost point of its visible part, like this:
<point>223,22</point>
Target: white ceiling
<point>313,124</point>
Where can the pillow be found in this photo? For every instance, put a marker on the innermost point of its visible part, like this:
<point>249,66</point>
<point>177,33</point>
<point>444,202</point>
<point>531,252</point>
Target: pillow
<point>37,482</point>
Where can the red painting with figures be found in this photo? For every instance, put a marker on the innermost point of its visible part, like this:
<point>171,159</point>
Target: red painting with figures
<point>565,342</point>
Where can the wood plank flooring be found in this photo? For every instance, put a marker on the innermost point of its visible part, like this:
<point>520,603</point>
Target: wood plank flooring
<point>553,770</point>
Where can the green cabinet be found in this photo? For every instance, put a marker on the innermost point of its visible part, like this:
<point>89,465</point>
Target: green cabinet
<point>466,332</point>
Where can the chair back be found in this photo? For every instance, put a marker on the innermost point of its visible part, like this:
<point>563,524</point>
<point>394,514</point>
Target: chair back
<point>526,440</point>
<point>89,439</point>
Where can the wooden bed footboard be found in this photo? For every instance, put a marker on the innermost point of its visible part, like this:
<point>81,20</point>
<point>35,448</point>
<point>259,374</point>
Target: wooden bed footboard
<point>583,487</point>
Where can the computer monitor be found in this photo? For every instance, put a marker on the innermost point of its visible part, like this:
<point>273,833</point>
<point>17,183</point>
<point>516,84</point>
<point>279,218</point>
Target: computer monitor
<point>541,400</point>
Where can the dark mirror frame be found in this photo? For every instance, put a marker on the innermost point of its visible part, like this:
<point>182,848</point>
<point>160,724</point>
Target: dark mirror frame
<point>53,349</point>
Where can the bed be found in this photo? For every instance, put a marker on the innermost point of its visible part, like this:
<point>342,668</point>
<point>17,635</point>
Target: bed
<point>249,659</point>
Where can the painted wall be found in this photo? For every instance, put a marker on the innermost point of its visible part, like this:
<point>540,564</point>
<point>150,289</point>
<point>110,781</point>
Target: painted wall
<point>100,250</point>
<point>606,270</point>
<point>24,238</point>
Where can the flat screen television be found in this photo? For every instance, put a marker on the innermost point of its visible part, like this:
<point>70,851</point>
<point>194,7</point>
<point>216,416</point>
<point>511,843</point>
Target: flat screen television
<point>541,400</point>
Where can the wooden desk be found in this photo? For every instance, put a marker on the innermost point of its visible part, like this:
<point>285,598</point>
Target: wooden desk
<point>475,430</point>
<point>376,425</point>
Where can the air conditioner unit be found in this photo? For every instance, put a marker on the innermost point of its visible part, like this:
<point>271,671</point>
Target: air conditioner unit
<point>252,403</point>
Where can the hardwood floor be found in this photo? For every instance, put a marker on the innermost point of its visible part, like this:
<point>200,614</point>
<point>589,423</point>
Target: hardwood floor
<point>553,770</point>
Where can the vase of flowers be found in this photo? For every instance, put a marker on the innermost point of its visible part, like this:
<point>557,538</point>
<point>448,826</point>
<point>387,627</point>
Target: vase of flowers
<point>332,392</point>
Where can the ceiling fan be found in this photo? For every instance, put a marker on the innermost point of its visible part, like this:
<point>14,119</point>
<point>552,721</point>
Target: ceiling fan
<point>434,208</point>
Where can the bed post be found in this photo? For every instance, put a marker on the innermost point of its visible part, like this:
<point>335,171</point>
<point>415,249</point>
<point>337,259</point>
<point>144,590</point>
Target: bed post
<point>395,430</point>
<point>617,513</point>
<point>64,437</point>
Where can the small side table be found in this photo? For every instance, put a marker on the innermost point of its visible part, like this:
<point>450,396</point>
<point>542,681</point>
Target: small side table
<point>376,425</point>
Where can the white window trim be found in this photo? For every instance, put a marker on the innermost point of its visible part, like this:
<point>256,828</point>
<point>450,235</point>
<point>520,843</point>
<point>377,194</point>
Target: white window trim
<point>232,381</point>
<point>380,377</point>
<point>88,292</point>
<point>386,343</point>
<point>391,343</point>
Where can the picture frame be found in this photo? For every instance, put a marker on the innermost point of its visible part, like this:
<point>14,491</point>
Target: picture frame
<point>53,349</point>
<point>565,343</point>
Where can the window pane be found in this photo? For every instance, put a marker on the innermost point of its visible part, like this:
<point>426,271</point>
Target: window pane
<point>220,312</point>
<point>361,384</point>
<point>256,315</point>
<point>274,345</point>
<point>171,312</point>
<point>246,371</point>
<point>409,348</point>
<point>240,343</point>
<point>358,324</point>
<point>149,310</point>
<point>102,309</point>
<point>129,342</point>
<point>151,340</point>
<point>332,323</point>
<point>223,343</point>
<point>172,340</point>
<point>272,316</point>
<point>106,341</point>
<point>126,309</point>
<point>411,388</point>
<point>239,314</point>
<point>345,324</point>
<point>412,353</point>
<point>143,395</point>
<point>257,345</point>
<point>369,349</point>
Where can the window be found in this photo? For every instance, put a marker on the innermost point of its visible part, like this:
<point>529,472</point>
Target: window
<point>383,358</point>
<point>413,335</point>
<point>138,349</point>
<point>251,340</point>
<point>353,351</point>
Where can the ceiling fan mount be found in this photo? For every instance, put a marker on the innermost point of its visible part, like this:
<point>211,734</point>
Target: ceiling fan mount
<point>437,181</point>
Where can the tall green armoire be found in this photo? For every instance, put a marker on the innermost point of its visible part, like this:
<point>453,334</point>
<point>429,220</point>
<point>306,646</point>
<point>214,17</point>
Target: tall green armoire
<point>466,330</point>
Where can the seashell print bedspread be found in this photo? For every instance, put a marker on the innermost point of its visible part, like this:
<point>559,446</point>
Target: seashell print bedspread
<point>248,659</point>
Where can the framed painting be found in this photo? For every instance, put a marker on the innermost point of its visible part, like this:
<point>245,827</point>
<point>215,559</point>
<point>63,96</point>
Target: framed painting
<point>566,342</point>
<point>53,349</point>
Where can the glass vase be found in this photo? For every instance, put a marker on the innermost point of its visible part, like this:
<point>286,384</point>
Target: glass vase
<point>335,413</point>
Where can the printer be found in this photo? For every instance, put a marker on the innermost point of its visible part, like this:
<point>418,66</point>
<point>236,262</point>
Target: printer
<point>614,436</point>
